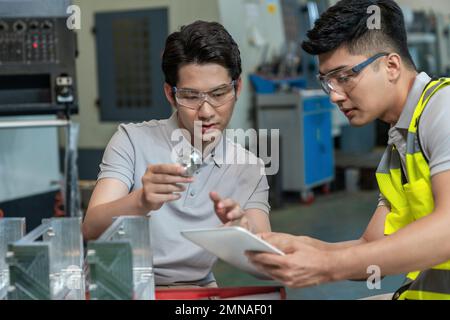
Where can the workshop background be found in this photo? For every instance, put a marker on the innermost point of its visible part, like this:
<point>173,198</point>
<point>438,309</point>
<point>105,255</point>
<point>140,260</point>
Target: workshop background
<point>108,72</point>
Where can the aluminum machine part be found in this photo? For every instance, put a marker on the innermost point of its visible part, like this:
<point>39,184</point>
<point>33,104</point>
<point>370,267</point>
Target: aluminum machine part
<point>47,264</point>
<point>121,261</point>
<point>11,230</point>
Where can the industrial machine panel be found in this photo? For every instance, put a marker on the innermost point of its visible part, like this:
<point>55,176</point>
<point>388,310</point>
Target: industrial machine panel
<point>129,50</point>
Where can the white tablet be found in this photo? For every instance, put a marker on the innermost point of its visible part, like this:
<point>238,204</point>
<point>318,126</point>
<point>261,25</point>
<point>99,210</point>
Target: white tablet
<point>230,245</point>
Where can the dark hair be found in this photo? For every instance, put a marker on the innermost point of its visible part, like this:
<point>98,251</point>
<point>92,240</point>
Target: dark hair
<point>200,42</point>
<point>346,24</point>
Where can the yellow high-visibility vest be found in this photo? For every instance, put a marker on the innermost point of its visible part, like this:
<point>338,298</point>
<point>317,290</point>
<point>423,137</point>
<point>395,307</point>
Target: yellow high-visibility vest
<point>413,200</point>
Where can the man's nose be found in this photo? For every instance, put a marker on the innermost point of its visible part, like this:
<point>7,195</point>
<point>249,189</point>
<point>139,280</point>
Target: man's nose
<point>337,97</point>
<point>206,110</point>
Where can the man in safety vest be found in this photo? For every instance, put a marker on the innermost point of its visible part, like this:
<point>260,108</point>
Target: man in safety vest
<point>368,72</point>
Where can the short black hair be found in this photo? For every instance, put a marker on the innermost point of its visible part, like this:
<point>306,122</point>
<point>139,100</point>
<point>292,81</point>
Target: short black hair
<point>200,42</point>
<point>345,23</point>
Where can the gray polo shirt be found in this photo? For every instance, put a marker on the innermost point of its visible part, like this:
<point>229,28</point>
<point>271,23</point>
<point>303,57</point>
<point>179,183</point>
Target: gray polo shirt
<point>434,128</point>
<point>135,146</point>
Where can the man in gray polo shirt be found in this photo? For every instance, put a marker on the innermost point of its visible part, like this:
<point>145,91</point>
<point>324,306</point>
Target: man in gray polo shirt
<point>139,174</point>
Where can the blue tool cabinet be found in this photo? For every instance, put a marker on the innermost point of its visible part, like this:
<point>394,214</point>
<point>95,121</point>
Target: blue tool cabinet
<point>304,118</point>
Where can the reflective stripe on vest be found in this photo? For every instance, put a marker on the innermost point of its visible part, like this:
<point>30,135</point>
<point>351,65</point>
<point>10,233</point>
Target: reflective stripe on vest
<point>413,200</point>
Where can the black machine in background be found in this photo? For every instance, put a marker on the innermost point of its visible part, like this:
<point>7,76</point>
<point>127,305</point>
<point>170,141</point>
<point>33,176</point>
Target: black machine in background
<point>37,64</point>
<point>37,77</point>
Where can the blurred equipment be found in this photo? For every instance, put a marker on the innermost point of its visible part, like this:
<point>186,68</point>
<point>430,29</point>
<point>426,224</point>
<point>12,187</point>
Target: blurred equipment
<point>37,77</point>
<point>286,97</point>
<point>443,32</point>
<point>292,62</point>
<point>304,120</point>
<point>37,59</point>
<point>129,44</point>
<point>291,67</point>
<point>428,41</point>
<point>358,140</point>
<point>309,13</point>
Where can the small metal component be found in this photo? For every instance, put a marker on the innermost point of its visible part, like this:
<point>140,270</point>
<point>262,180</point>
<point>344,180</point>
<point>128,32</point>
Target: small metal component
<point>192,163</point>
<point>121,231</point>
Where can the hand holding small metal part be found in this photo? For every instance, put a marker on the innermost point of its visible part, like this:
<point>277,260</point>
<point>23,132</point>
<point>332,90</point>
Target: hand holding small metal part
<point>162,183</point>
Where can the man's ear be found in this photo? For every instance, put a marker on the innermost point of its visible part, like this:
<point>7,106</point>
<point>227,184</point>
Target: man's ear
<point>394,66</point>
<point>168,91</point>
<point>238,86</point>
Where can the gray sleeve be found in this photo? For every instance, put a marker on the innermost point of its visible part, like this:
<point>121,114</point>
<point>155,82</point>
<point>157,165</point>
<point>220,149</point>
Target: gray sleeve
<point>259,199</point>
<point>434,131</point>
<point>119,158</point>
<point>382,201</point>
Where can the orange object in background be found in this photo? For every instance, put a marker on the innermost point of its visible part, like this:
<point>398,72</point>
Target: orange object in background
<point>58,208</point>
<point>2,214</point>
